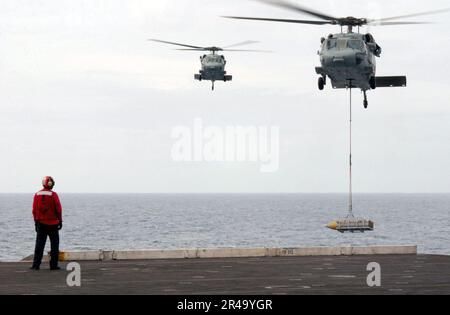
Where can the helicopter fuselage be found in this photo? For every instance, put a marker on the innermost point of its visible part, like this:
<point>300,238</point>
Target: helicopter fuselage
<point>349,59</point>
<point>213,68</point>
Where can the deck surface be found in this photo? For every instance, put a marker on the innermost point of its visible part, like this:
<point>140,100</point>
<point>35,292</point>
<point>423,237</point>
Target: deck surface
<point>400,274</point>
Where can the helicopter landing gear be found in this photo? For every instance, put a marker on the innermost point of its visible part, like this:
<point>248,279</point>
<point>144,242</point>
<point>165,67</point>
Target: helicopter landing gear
<point>373,83</point>
<point>321,83</point>
<point>366,102</point>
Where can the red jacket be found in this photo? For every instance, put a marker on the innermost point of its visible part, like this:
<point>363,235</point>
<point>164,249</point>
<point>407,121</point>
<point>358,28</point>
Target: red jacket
<point>47,207</point>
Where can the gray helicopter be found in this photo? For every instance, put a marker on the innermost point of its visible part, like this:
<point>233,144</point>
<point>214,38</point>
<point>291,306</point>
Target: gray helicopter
<point>213,64</point>
<point>348,59</point>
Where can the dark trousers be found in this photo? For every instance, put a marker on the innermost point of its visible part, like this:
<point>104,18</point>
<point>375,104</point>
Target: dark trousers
<point>52,232</point>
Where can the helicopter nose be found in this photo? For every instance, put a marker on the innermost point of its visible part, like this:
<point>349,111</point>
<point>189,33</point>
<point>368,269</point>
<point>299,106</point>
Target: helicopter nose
<point>347,58</point>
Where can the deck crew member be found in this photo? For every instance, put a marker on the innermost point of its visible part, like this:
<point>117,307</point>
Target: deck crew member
<point>47,214</point>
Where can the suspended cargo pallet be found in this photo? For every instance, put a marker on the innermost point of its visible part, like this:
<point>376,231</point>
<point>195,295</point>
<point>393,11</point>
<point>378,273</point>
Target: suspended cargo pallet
<point>352,225</point>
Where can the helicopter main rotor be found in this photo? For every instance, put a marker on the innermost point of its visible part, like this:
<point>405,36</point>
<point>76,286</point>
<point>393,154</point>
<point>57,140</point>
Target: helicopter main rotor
<point>350,21</point>
<point>212,49</point>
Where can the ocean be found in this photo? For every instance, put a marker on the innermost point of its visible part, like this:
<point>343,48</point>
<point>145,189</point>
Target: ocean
<point>170,221</point>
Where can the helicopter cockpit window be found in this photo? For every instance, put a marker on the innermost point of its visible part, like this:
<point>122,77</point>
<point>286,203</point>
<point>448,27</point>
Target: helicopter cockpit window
<point>331,43</point>
<point>216,58</point>
<point>341,44</point>
<point>355,44</point>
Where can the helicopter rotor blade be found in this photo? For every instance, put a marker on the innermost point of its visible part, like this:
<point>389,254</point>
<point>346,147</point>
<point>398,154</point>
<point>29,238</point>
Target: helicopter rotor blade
<point>191,49</point>
<point>279,20</point>
<point>297,8</point>
<point>247,42</point>
<point>177,44</point>
<point>409,15</point>
<point>249,50</point>
<point>232,50</point>
<point>396,23</point>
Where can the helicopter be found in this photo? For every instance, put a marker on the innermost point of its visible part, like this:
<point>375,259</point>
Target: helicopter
<point>347,58</point>
<point>213,64</point>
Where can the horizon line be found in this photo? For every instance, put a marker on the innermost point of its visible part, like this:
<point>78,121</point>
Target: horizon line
<point>230,193</point>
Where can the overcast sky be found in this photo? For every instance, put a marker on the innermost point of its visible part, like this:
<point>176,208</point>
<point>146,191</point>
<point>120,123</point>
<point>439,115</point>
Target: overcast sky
<point>85,97</point>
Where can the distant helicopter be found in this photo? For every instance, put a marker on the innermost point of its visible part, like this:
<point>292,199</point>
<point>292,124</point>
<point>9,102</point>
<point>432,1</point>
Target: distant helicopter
<point>213,65</point>
<point>348,59</point>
